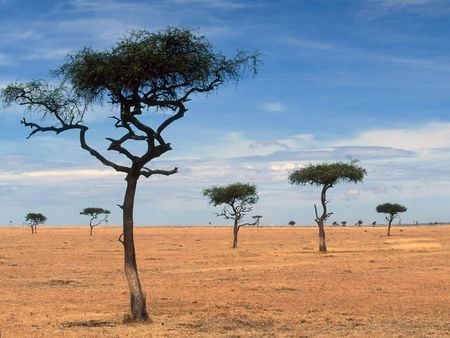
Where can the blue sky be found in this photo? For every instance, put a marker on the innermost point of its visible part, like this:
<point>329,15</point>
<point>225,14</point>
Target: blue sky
<point>369,79</point>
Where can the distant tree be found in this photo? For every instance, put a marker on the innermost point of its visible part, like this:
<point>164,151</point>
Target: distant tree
<point>94,213</point>
<point>34,219</point>
<point>291,223</point>
<point>257,219</point>
<point>237,200</point>
<point>143,73</point>
<point>393,209</point>
<point>374,223</point>
<point>359,223</point>
<point>344,223</point>
<point>326,175</point>
<point>335,223</point>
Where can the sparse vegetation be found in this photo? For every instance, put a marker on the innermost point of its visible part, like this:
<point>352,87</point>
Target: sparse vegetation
<point>326,175</point>
<point>393,209</point>
<point>237,200</point>
<point>34,219</point>
<point>291,223</point>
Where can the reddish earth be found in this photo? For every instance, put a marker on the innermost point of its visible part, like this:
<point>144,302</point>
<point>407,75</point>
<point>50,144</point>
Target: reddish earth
<point>62,282</point>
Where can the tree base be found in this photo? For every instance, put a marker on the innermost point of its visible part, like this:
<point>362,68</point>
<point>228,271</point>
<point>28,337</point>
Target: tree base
<point>129,319</point>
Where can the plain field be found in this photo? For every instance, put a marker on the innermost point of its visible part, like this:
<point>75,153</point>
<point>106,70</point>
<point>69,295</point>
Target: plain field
<point>63,283</point>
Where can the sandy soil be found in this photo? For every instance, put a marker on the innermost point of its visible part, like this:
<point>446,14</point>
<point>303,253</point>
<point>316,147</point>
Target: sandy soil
<point>63,283</point>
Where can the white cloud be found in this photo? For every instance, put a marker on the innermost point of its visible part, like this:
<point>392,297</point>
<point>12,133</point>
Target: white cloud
<point>285,166</point>
<point>434,135</point>
<point>57,175</point>
<point>352,194</point>
<point>48,54</point>
<point>306,43</point>
<point>273,107</point>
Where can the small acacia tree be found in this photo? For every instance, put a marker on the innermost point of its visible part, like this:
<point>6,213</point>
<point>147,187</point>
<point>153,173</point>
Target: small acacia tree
<point>326,175</point>
<point>94,213</point>
<point>359,223</point>
<point>34,219</point>
<point>143,73</point>
<point>393,209</point>
<point>291,223</point>
<point>237,200</point>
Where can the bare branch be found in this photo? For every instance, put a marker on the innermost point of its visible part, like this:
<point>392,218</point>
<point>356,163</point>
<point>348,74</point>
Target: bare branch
<point>146,172</point>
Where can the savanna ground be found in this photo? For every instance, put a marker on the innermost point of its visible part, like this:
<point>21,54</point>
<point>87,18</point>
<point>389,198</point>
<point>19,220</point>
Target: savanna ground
<point>63,283</point>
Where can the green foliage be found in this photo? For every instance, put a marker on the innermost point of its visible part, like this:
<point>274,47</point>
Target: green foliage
<point>232,194</point>
<point>391,208</point>
<point>94,212</point>
<point>165,65</point>
<point>35,218</point>
<point>328,174</point>
<point>38,97</point>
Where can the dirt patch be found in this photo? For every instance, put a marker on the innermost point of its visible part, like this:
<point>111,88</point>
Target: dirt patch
<point>88,323</point>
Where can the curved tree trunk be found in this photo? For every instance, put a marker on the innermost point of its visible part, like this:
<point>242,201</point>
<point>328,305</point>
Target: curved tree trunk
<point>389,227</point>
<point>321,220</point>
<point>138,306</point>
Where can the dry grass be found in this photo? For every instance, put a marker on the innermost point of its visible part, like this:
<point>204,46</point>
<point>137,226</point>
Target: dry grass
<point>64,283</point>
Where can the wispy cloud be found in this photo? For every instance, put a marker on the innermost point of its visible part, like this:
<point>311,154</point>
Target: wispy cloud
<point>53,175</point>
<point>273,107</point>
<point>378,8</point>
<point>433,135</point>
<point>306,43</point>
<point>4,61</point>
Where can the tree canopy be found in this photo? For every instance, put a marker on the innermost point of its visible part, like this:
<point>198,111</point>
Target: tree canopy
<point>94,211</point>
<point>232,194</point>
<point>391,208</point>
<point>35,218</point>
<point>157,69</point>
<point>328,174</point>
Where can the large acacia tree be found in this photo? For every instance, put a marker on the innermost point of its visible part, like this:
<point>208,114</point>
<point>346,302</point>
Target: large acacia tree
<point>143,73</point>
<point>393,209</point>
<point>326,175</point>
<point>237,199</point>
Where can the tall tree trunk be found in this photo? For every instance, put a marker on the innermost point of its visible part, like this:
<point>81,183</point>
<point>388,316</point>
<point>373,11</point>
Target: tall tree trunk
<point>91,229</point>
<point>138,306</point>
<point>235,234</point>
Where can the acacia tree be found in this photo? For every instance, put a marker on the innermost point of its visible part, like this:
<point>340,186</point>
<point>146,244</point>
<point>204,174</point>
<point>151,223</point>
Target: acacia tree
<point>257,219</point>
<point>393,209</point>
<point>34,219</point>
<point>237,200</point>
<point>291,223</point>
<point>143,73</point>
<point>94,213</point>
<point>326,175</point>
